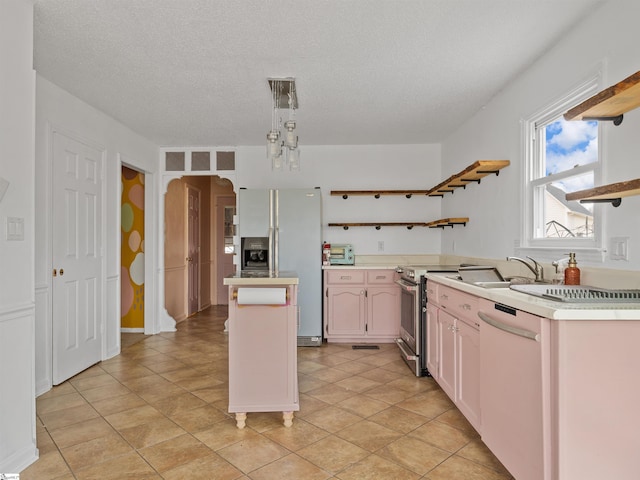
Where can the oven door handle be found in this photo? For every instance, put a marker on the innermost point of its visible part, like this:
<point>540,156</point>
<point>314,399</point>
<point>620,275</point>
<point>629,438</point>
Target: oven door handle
<point>409,287</point>
<point>408,355</point>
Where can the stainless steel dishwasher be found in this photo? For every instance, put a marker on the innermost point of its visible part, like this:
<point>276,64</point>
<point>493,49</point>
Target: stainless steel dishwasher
<point>514,393</point>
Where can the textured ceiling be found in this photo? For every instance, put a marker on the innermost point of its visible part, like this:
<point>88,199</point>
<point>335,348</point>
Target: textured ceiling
<point>194,72</point>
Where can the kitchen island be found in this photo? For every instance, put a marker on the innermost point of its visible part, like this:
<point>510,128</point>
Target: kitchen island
<point>263,314</point>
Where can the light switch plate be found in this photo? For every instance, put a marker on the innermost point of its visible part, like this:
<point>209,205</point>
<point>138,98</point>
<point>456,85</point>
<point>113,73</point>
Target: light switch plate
<point>15,228</point>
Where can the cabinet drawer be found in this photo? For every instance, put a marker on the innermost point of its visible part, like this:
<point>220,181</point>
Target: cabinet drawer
<point>459,304</point>
<point>432,292</point>
<point>377,277</point>
<point>344,277</point>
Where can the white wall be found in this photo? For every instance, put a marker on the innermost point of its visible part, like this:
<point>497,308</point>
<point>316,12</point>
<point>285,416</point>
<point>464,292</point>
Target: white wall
<point>360,167</point>
<point>17,94</point>
<point>609,35</point>
<point>57,110</point>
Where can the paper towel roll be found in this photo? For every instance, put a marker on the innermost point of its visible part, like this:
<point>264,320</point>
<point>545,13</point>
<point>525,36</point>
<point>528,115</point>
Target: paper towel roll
<point>262,296</point>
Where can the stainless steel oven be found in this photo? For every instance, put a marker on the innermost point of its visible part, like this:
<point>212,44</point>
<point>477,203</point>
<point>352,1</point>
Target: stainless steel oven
<point>412,341</point>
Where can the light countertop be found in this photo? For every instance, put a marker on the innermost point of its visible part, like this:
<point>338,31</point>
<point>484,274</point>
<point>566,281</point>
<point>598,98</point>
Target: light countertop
<point>361,267</point>
<point>262,277</point>
<point>545,308</point>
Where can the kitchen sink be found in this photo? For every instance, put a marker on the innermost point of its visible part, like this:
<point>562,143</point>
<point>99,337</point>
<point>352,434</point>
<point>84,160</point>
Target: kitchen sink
<point>579,293</point>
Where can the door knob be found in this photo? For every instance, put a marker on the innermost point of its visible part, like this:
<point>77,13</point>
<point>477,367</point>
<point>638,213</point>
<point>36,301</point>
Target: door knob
<point>61,272</point>
<point>55,272</point>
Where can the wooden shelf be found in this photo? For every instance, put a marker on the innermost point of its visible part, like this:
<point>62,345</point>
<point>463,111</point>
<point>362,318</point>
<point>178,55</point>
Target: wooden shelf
<point>377,193</point>
<point>445,222</point>
<point>473,173</point>
<point>612,193</point>
<point>609,104</point>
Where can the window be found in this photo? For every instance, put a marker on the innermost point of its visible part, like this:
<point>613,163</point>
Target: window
<point>561,157</point>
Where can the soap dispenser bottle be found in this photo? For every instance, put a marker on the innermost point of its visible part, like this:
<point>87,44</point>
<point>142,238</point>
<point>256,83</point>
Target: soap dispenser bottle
<point>572,272</point>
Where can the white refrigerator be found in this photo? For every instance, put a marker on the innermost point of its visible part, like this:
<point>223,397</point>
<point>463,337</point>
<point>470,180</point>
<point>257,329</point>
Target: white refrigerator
<point>291,219</point>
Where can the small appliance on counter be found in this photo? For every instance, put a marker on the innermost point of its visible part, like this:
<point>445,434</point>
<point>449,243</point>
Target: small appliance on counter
<point>341,255</point>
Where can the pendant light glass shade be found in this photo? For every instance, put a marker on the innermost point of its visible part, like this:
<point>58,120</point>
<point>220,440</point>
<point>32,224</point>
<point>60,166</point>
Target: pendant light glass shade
<point>283,97</point>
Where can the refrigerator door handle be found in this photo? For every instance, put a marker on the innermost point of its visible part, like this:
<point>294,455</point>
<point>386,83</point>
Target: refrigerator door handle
<point>276,239</point>
<point>270,253</point>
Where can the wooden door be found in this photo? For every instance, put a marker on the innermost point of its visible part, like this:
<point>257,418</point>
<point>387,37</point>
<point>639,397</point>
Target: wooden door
<point>193,250</point>
<point>77,257</point>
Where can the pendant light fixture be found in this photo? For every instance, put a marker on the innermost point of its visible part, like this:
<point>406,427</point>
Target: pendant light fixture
<point>282,145</point>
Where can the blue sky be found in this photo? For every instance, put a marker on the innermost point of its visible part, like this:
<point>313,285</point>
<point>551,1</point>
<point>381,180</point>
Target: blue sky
<point>570,144</point>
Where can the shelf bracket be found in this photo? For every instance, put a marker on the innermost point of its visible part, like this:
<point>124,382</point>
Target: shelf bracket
<point>488,172</point>
<point>346,227</point>
<point>345,196</point>
<point>616,120</point>
<point>616,202</point>
<point>469,180</point>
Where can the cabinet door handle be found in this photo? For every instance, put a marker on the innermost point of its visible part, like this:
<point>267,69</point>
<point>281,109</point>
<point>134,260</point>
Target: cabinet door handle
<point>345,277</point>
<point>521,332</point>
<point>381,277</point>
<point>465,306</point>
<point>444,296</point>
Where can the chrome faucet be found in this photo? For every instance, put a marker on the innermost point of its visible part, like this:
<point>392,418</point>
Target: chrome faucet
<point>537,269</point>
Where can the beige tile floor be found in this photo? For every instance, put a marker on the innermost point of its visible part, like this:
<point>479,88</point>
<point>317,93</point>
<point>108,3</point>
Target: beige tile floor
<point>158,410</point>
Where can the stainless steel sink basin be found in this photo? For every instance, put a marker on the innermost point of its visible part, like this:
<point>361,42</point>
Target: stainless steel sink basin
<point>579,293</point>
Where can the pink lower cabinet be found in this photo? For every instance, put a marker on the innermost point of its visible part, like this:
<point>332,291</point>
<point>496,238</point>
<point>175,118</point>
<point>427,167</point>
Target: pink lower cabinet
<point>515,393</point>
<point>361,305</point>
<point>263,353</point>
<point>596,396</point>
<point>458,351</point>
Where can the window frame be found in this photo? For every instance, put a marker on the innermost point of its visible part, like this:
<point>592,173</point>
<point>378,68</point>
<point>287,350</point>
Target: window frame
<point>534,177</point>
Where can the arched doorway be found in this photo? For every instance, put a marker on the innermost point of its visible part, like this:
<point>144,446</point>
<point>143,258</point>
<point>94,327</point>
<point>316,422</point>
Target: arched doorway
<point>198,226</point>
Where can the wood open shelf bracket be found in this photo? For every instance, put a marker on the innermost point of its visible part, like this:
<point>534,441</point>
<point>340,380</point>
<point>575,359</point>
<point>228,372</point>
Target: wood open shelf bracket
<point>377,193</point>
<point>612,193</point>
<point>609,104</point>
<point>473,173</point>
<point>445,222</point>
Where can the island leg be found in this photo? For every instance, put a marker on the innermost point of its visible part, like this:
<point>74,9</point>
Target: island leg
<point>241,420</point>
<point>288,418</point>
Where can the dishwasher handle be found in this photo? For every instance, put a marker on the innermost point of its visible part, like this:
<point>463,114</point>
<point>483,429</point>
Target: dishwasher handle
<point>521,332</point>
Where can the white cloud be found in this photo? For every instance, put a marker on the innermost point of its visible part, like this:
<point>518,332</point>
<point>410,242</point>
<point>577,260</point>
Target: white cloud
<point>560,162</point>
<point>573,133</point>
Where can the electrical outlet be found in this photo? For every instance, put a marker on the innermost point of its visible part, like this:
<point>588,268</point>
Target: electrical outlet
<point>619,248</point>
<point>381,246</point>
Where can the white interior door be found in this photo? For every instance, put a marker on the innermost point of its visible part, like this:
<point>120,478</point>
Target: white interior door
<point>77,262</point>
<point>193,249</point>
